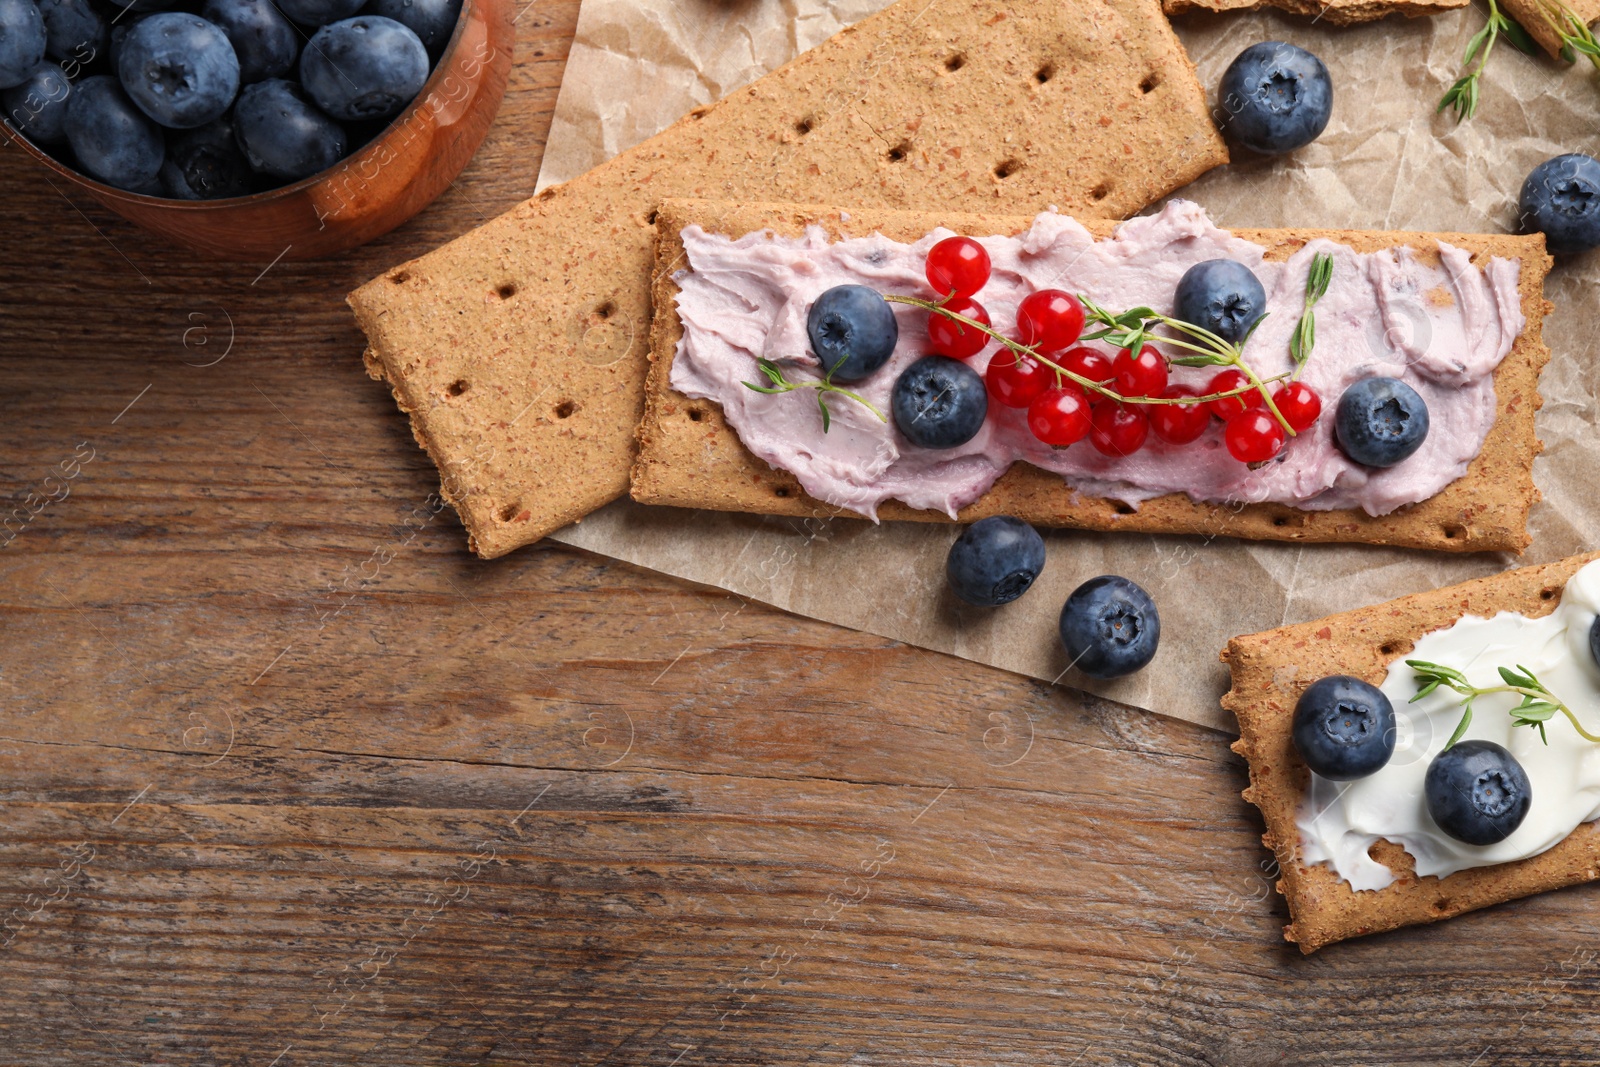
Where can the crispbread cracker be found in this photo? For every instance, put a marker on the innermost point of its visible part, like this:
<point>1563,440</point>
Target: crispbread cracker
<point>1337,12</point>
<point>690,457</point>
<point>1270,670</point>
<point>1527,13</point>
<point>519,349</point>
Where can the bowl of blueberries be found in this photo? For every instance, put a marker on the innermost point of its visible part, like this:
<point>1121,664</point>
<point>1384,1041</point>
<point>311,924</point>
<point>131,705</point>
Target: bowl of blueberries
<point>250,129</point>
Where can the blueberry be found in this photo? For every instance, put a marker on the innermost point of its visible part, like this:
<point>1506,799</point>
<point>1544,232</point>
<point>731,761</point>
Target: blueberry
<point>38,107</point>
<point>1343,727</point>
<point>113,140</point>
<point>209,164</point>
<point>1277,97</point>
<point>1561,197</point>
<point>852,330</point>
<point>22,41</point>
<point>319,12</point>
<point>939,402</point>
<point>72,30</point>
<point>431,20</point>
<point>179,69</point>
<point>1223,296</point>
<point>1110,627</point>
<point>1380,421</point>
<point>368,67</point>
<point>1594,640</point>
<point>1477,792</point>
<point>282,134</point>
<point>120,28</point>
<point>994,561</point>
<point>264,41</point>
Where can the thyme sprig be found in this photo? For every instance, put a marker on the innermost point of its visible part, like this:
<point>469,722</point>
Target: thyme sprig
<point>1132,325</point>
<point>823,386</point>
<point>1575,36</point>
<point>1538,705</point>
<point>1462,97</point>
<point>1305,331</point>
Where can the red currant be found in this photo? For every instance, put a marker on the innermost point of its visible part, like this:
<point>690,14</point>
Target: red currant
<point>1178,424</point>
<point>1118,429</point>
<point>1299,404</point>
<point>1141,375</point>
<point>1086,363</point>
<point>1016,380</point>
<point>957,265</point>
<point>1253,435</point>
<point>1059,416</point>
<point>1051,319</point>
<point>1226,382</point>
<point>955,339</point>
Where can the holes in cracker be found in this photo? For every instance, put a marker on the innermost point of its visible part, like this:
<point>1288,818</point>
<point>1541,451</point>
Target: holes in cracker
<point>601,334</point>
<point>457,387</point>
<point>1453,533</point>
<point>781,491</point>
<point>899,152</point>
<point>510,511</point>
<point>506,291</point>
<point>399,277</point>
<point>1548,592</point>
<point>1151,80</point>
<point>650,219</point>
<point>695,414</point>
<point>1122,508</point>
<point>1044,73</point>
<point>1099,192</point>
<point>1007,168</point>
<point>565,409</point>
<point>805,125</point>
<point>955,62</point>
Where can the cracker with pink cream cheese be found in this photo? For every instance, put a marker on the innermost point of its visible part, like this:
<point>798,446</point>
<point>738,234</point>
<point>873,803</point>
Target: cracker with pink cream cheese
<point>1457,316</point>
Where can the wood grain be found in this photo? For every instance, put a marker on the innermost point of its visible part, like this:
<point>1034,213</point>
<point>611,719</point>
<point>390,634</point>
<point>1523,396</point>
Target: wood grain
<point>290,778</point>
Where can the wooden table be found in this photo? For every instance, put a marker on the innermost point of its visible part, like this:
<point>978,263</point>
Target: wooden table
<point>290,778</point>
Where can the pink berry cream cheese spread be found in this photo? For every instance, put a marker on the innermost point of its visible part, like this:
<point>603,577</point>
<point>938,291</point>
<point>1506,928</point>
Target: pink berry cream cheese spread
<point>1441,329</point>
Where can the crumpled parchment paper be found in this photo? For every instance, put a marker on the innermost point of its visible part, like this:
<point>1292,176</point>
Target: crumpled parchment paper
<point>1387,161</point>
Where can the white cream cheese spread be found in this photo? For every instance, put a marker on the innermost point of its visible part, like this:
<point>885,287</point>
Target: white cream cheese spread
<point>1443,330</point>
<point>1340,821</point>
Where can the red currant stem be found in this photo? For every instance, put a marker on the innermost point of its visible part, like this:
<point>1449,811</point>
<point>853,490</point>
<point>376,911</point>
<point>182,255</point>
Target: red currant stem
<point>1090,384</point>
<point>1221,352</point>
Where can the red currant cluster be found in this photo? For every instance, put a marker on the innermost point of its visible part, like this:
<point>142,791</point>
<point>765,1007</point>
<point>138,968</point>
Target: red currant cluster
<point>1060,411</point>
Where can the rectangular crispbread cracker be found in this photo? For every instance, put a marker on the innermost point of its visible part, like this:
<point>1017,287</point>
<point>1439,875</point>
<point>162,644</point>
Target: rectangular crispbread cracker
<point>519,349</point>
<point>1270,670</point>
<point>1337,12</point>
<point>1527,12</point>
<point>690,457</point>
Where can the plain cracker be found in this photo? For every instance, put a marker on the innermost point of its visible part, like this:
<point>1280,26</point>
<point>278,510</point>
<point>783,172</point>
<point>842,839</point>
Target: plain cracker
<point>519,349</point>
<point>690,457</point>
<point>1271,669</point>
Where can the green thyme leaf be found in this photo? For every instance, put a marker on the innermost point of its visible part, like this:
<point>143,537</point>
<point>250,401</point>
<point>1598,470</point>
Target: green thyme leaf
<point>1520,39</point>
<point>1461,727</point>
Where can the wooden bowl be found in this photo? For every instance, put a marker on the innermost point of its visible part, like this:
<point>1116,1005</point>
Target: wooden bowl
<point>368,193</point>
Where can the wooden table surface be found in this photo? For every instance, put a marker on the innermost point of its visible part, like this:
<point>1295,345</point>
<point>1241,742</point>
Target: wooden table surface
<point>290,778</point>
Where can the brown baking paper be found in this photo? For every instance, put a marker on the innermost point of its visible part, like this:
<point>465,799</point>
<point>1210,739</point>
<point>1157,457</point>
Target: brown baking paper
<point>1387,161</point>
